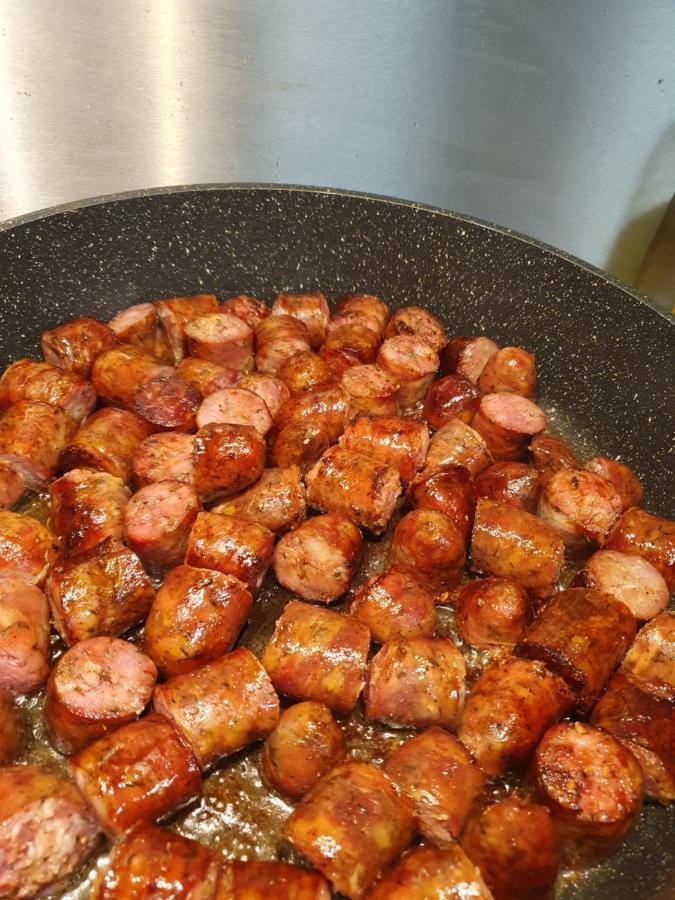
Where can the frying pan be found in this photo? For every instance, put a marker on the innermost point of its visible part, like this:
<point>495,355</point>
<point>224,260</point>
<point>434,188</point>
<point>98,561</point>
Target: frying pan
<point>604,359</point>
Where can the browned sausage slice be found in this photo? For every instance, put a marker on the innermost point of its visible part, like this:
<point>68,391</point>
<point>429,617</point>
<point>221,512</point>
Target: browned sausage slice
<point>278,338</point>
<point>276,501</point>
<point>351,344</point>
<point>372,391</point>
<point>207,377</point>
<point>221,338</point>
<point>164,457</point>
<point>248,309</point>
<point>157,523</point>
<point>76,345</point>
<point>581,506</point>
<point>227,459</point>
<point>508,422</point>
<point>364,309</point>
<point>550,453</point>
<point>304,372</point>
<point>300,443</point>
<point>29,379</point>
<point>12,486</point>
<point>457,444</point>
<point>271,390</point>
<point>641,534</point>
<point>119,372</point>
<point>167,403</point>
<point>492,611</point>
<point>310,309</point>
<point>394,605</point>
<point>175,313</point>
<point>139,325</point>
<point>231,545</point>
<point>393,440</point>
<point>448,489</point>
<point>24,636</point>
<point>513,483</point>
<point>414,321</point>
<point>27,548</point>
<point>467,356</point>
<point>234,406</point>
<point>328,404</point>
<point>510,370</point>
<point>651,659</point>
<point>451,397</point>
<point>630,579</point>
<point>413,362</point>
<point>624,480</point>
<point>86,507</point>
<point>425,872</point>
<point>429,546</point>
<point>32,436</point>
<point>107,441</point>
<point>251,880</point>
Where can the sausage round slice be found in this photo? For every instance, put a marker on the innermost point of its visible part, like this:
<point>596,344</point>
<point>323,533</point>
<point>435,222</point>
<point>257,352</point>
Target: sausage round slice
<point>221,706</point>
<point>271,390</point>
<point>77,344</point>
<point>24,636</point>
<point>398,442</point>
<point>550,453</point>
<point>164,457</point>
<point>349,345</point>
<point>157,523</point>
<point>28,379</point>
<point>457,444</point>
<point>630,579</point>
<point>253,880</point>
<point>32,437</point>
<point>234,406</point>
<point>317,560</point>
<point>508,422</point>
<point>107,441</point>
<point>425,872</point>
<point>641,534</point>
<point>276,501</point>
<point>278,338</point>
<point>221,338</point>
<point>372,391</point>
<point>448,489</point>
<point>467,356</point>
<point>393,605</point>
<point>310,309</point>
<point>207,377</point>
<point>27,548</point>
<point>512,483</point>
<point>95,687</point>
<point>514,844</point>
<point>624,480</point>
<point>592,785</point>
<point>119,372</point>
<point>429,546</point>
<point>231,545</point>
<point>304,372</point>
<point>365,309</point>
<point>248,309</point>
<point>414,321</point>
<point>510,370</point>
<point>581,506</point>
<point>167,403</point>
<point>176,312</point>
<point>11,730</point>
<point>306,743</point>
<point>139,325</point>
<point>12,486</point>
<point>47,832</point>
<point>651,659</point>
<point>413,362</point>
<point>300,443</point>
<point>227,459</point>
<point>86,507</point>
<point>492,611</point>
<point>329,405</point>
<point>437,774</point>
<point>451,397</point>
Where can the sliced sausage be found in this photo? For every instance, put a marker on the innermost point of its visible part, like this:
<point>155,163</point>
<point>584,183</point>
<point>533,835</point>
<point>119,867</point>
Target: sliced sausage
<point>24,636</point>
<point>95,687</point>
<point>234,406</point>
<point>221,338</point>
<point>164,457</point>
<point>32,436</point>
<point>86,507</point>
<point>413,362</point>
<point>27,548</point>
<point>227,459</point>
<point>196,616</point>
<point>352,344</point>
<point>508,422</point>
<point>118,373</point>
<point>12,486</point>
<point>306,743</point>
<point>276,501</point>
<point>451,397</point>
<point>492,611</point>
<point>448,489</point>
<point>429,546</point>
<point>140,773</point>
<point>624,479</point>
<point>510,370</point>
<point>630,579</point>
<point>248,309</point>
<point>394,605</point>
<point>104,591</point>
<point>318,654</point>
<point>639,533</point>
<point>372,391</point>
<point>300,443</point>
<point>425,872</point>
<point>310,309</point>
<point>75,345</point>
<point>511,543</point>
<point>392,440</point>
<point>364,309</point>
<point>278,338</point>
<point>439,777</point>
<point>457,444</point>
<point>157,523</point>
<point>29,379</point>
<point>271,390</point>
<point>220,707</point>
<point>317,560</point>
<point>11,730</point>
<point>467,356</point>
<point>592,786</point>
<point>651,659</point>
<point>351,826</point>
<point>329,405</point>
<point>231,545</point>
<point>581,635</point>
<point>414,321</point>
<point>512,483</point>
<point>350,483</point>
<point>47,832</point>
<point>550,453</point>
<point>514,844</point>
<point>167,403</point>
<point>207,377</point>
<point>253,880</point>
<point>304,372</point>
<point>139,325</point>
<point>508,710</point>
<point>175,313</point>
<point>107,441</point>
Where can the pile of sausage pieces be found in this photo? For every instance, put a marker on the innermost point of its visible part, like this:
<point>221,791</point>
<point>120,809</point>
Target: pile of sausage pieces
<point>203,443</point>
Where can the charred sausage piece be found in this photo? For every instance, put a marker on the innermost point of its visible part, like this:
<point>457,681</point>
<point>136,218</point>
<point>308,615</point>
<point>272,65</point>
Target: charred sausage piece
<point>118,373</point>
<point>234,406</point>
<point>306,743</point>
<point>32,436</point>
<point>508,422</point>
<point>221,706</point>
<point>511,543</point>
<point>148,861</point>
<point>425,872</point>
<point>318,654</point>
<point>157,523</point>
<point>27,548</point>
<point>231,545</point>
<point>301,443</point>
<point>271,390</point>
<point>354,485</point>
<point>362,308</point>
<point>507,712</point>
<point>252,880</point>
<point>248,309</point>
<point>103,591</point>
<point>196,616</point>
<point>140,773</point>
<point>397,442</point>
<point>624,480</point>
<point>227,459</point>
<point>514,844</point>
<point>467,356</point>
<point>276,501</point>
<point>304,372</point>
<point>317,560</point>
<point>592,786</point>
<point>24,636</point>
<point>349,345</point>
<point>310,309</point>
<point>514,484</point>
<point>107,441</point>
<point>329,405</point>
<point>581,635</point>
<point>457,444</point>
<point>581,506</point>
<point>139,325</point>
<point>47,832</point>
<point>393,605</point>
<point>414,321</point>
<point>372,391</point>
<point>492,611</point>
<point>95,687</point>
<point>86,507</point>
<point>630,579</point>
<point>550,453</point>
<point>207,377</point>
<point>451,397</point>
<point>510,370</point>
<point>11,731</point>
<point>641,534</point>
<point>164,457</point>
<point>167,403</point>
<point>449,490</point>
<point>651,659</point>
<point>429,546</point>
<point>28,379</point>
<point>416,683</point>
<point>221,338</point>
<point>12,486</point>
<point>437,774</point>
<point>278,338</point>
<point>413,362</point>
<point>174,314</point>
<point>351,826</point>
<point>77,344</point>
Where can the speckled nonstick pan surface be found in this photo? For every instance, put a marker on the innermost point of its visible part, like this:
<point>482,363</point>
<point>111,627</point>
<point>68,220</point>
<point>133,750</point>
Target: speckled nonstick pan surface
<point>605,361</point>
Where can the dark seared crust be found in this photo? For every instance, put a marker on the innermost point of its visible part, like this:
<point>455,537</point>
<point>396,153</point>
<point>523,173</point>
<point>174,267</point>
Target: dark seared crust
<point>76,345</point>
<point>448,489</point>
<point>512,483</point>
<point>231,545</point>
<point>304,372</point>
<point>117,373</point>
<point>451,397</point>
<point>329,405</point>
<point>349,345</point>
<point>550,453</point>
<point>510,370</point>
<point>241,880</point>
<point>227,459</point>
<point>167,403</point>
<point>106,441</point>
<point>429,546</point>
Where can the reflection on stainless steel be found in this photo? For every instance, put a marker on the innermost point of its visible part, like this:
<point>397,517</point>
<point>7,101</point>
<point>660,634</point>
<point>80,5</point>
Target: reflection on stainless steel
<point>553,118</point>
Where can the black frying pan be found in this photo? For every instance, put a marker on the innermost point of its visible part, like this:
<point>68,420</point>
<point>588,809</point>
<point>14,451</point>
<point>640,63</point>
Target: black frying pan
<point>605,358</point>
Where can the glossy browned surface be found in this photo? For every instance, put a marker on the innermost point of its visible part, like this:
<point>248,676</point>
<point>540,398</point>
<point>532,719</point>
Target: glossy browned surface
<point>349,345</point>
<point>270,881</point>
<point>328,404</point>
<point>624,479</point>
<point>248,309</point>
<point>223,338</point>
<point>429,546</point>
<point>206,377</point>
<point>35,380</point>
<point>492,611</point>
<point>276,501</point>
<point>508,422</point>
<point>164,457</point>
<point>448,489</point>
<point>581,506</point>
<point>175,313</point>
<point>643,534</point>
<point>271,390</point>
<point>310,309</point>
<point>107,441</point>
<point>231,545</point>
<point>448,398</point>
<point>227,459</point>
<point>457,444</point>
<point>27,548</point>
<point>426,872</point>
<point>300,443</point>
<point>467,356</point>
<point>167,403</point>
<point>75,345</point>
<point>12,486</point>
<point>550,453</point>
<point>139,325</point>
<point>393,440</point>
<point>304,372</point>
<point>372,391</point>
<point>363,308</point>
<point>24,636</point>
<point>277,338</point>
<point>415,321</point>
<point>651,659</point>
<point>510,370</point>
<point>413,362</point>
<point>513,483</point>
<point>119,372</point>
<point>86,507</point>
<point>32,436</point>
<point>394,605</point>
<point>11,731</point>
